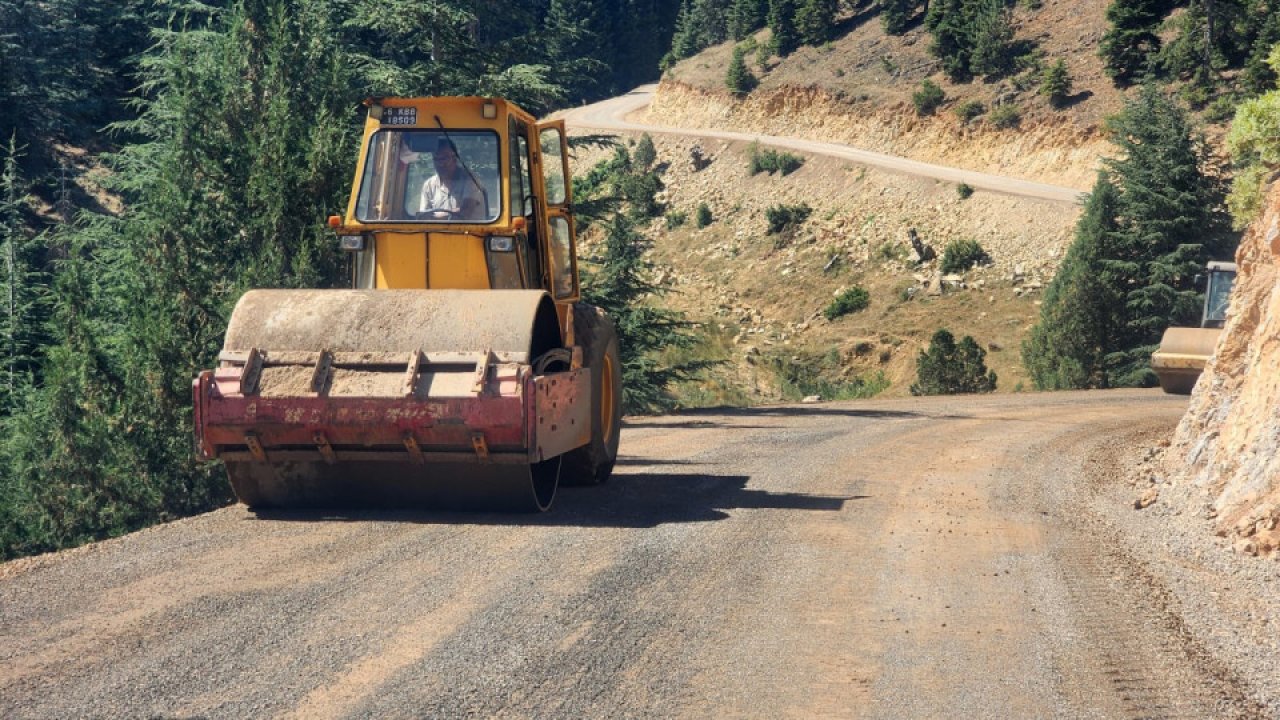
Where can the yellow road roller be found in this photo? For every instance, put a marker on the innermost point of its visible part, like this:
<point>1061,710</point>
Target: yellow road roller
<point>461,371</point>
<point>1184,351</point>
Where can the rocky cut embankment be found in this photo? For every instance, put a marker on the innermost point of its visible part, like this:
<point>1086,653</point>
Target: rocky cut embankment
<point>1224,459</point>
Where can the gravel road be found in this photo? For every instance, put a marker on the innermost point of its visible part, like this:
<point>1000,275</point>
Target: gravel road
<point>913,558</point>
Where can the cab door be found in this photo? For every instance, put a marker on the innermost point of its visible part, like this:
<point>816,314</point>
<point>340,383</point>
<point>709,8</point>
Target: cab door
<point>561,238</point>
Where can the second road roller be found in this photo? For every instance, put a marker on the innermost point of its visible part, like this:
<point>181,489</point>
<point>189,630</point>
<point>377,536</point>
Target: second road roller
<point>461,370</point>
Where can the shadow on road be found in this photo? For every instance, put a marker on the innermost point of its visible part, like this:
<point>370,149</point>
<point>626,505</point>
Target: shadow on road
<point>639,500</point>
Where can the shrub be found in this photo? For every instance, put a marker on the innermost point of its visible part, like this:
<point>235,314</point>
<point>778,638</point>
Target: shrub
<point>771,161</point>
<point>786,217</point>
<point>961,255</point>
<point>948,368</point>
<point>928,98</point>
<point>969,109</point>
<point>703,216</point>
<point>849,301</point>
<point>1005,116</point>
<point>964,190</point>
<point>738,78</point>
<point>676,218</point>
<point>1055,83</point>
<point>645,154</point>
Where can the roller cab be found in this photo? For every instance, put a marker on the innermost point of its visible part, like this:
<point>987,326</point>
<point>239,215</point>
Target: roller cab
<point>460,370</point>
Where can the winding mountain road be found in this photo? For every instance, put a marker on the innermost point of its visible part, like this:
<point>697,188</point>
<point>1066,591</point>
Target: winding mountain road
<point>612,114</point>
<point>909,558</point>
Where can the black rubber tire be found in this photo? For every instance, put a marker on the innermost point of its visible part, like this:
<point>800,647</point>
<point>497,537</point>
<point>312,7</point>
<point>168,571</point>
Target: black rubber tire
<point>595,333</point>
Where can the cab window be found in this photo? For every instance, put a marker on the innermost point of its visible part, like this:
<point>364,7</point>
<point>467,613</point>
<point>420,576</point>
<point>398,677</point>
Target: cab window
<point>429,176</point>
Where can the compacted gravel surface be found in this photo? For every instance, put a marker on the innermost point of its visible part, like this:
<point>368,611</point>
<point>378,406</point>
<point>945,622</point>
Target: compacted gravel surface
<point>915,558</point>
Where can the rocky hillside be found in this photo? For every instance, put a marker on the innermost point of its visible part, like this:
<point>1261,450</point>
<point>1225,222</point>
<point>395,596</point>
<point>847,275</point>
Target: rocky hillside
<point>1224,461</point>
<point>857,89</point>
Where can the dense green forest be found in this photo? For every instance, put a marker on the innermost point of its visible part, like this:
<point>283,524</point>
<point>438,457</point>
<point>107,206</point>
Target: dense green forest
<point>227,131</point>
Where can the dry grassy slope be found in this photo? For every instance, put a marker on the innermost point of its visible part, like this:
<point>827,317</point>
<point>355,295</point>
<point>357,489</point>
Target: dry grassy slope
<point>857,89</point>
<point>757,300</point>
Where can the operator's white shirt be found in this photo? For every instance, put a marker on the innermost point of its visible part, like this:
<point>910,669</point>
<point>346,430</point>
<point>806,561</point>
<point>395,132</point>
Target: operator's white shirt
<point>435,196</point>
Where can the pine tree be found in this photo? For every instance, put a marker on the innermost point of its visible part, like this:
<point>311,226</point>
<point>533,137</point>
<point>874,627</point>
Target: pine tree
<point>23,288</point>
<point>1132,38</point>
<point>1055,84</point>
<point>1082,316</point>
<point>948,367</point>
<point>990,36</point>
<point>815,21</point>
<point>621,286</point>
<point>1258,76</point>
<point>896,15</point>
<point>782,19</point>
<point>1175,220</point>
<point>948,22</point>
<point>746,17</point>
<point>738,78</point>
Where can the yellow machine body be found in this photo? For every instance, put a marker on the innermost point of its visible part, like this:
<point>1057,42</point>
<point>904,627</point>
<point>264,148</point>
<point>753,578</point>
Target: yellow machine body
<point>461,368</point>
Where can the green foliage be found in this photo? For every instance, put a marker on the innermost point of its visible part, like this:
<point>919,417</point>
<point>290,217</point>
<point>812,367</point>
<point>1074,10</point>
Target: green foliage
<point>950,368</point>
<point>1152,222</point>
<point>703,215</point>
<point>1055,83</point>
<point>969,109</point>
<point>1254,145</point>
<point>806,374</point>
<point>784,37</point>
<point>676,218</point>
<point>771,161</point>
<point>928,97</point>
<point>1082,315</point>
<point>896,15</point>
<point>851,300</point>
<point>747,16</point>
<point>815,21</point>
<point>644,155</point>
<point>737,77</point>
<point>963,254</point>
<point>786,217</point>
<point>618,282</point>
<point>24,289</point>
<point>964,191</point>
<point>971,37</point>
<point>1132,39</point>
<point>1005,116</point>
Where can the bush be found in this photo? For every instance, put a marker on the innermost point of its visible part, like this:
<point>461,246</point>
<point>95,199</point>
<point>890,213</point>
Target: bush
<point>948,368</point>
<point>703,216</point>
<point>1055,83</point>
<point>645,154</point>
<point>676,218</point>
<point>964,190</point>
<point>1005,116</point>
<point>969,109</point>
<point>771,161</point>
<point>786,217</point>
<point>738,78</point>
<point>849,301</point>
<point>961,255</point>
<point>928,98</point>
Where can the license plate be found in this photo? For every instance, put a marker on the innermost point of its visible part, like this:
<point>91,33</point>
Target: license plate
<point>400,116</point>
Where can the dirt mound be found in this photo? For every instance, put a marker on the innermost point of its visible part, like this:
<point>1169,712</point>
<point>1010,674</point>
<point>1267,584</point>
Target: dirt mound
<point>1224,456</point>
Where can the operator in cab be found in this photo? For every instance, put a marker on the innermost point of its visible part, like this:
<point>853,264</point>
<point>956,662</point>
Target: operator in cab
<point>452,193</point>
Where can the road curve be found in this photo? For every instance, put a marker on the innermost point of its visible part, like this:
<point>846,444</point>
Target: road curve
<point>881,559</point>
<point>612,114</point>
